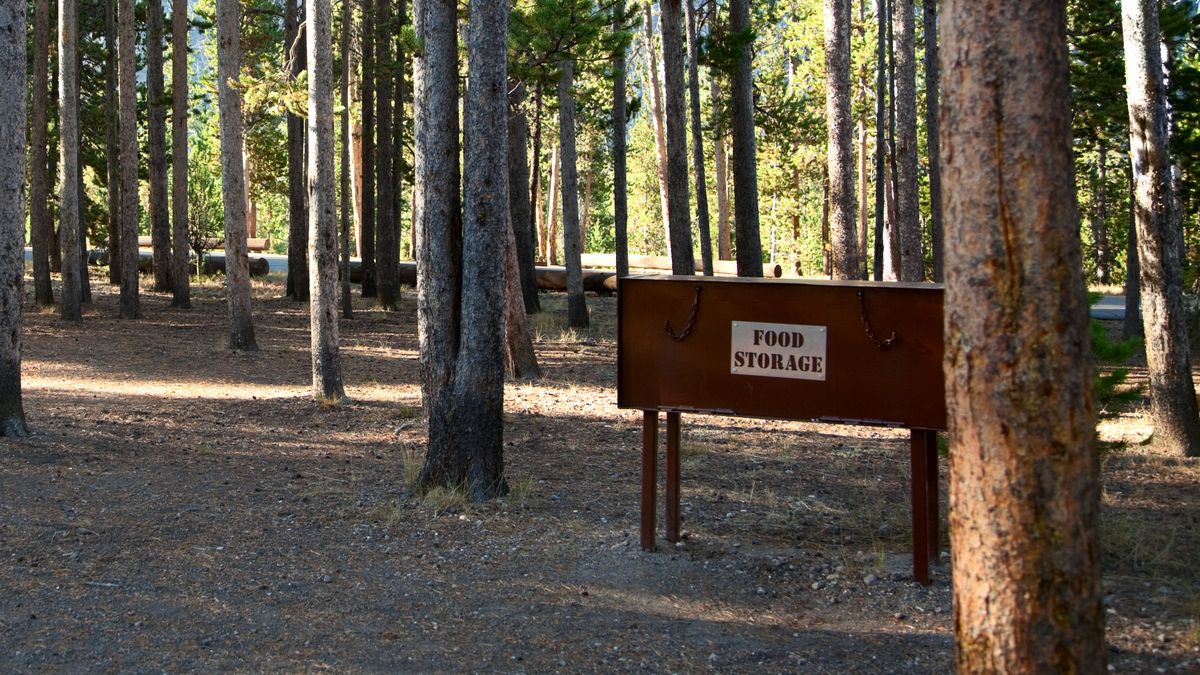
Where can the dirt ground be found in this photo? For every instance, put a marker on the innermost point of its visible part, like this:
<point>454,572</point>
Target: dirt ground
<point>185,507</point>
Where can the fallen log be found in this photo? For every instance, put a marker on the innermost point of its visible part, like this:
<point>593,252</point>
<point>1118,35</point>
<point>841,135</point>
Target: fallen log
<point>214,263</point>
<point>657,262</point>
<point>549,278</point>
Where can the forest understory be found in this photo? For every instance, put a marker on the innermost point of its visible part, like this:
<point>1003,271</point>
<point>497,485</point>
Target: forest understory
<point>181,506</point>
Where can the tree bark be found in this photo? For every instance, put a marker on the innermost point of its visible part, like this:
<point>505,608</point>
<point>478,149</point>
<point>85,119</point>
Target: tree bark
<point>520,360</point>
<point>1024,490</point>
<point>535,179</point>
<point>68,163</point>
<point>85,286</point>
<point>13,88</point>
<point>839,125</point>
<point>745,168</point>
<point>39,213</point>
<point>1132,324</point>
<point>322,206</point>
<point>702,222</point>
<point>180,282</point>
<point>721,172</point>
<point>237,277</point>
<point>387,249</point>
<point>929,16</point>
<point>156,142</point>
<point>679,224</point>
<point>369,288</point>
<point>577,311</point>
<point>295,55</point>
<point>1172,393</point>
<point>620,118</point>
<point>657,117</point>
<point>550,234</point>
<point>130,201</point>
<point>908,196</point>
<point>880,140</point>
<point>347,142</point>
<point>518,196</point>
<point>1100,218</point>
<point>112,149</point>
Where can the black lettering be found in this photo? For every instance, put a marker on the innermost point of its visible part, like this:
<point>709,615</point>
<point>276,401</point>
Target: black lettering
<point>777,361</point>
<point>757,336</point>
<point>770,338</point>
<point>739,359</point>
<point>764,360</point>
<point>791,362</point>
<point>817,364</point>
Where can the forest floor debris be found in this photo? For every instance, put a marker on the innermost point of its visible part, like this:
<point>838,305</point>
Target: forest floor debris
<point>185,507</point>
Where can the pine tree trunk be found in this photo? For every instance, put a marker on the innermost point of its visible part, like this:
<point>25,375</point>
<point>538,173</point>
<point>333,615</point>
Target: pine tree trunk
<point>39,214</point>
<point>479,372</point>
<point>518,197</point>
<point>721,172</point>
<point>13,88</point>
<point>237,272</point>
<point>1172,394</point>
<point>1100,222</point>
<point>549,234</point>
<point>679,224</point>
<point>745,168</point>
<point>702,222</point>
<point>577,311</point>
<point>840,128</point>
<point>128,153</point>
<point>387,249</point>
<point>880,140</point>
<point>1024,489</point>
<point>520,360</point>
<point>156,146</point>
<point>85,286</point>
<point>864,265</point>
<point>535,178</point>
<point>398,130</point>
<point>112,147</point>
<point>908,196</point>
<point>369,289</point>
<point>439,262</point>
<point>585,208</point>
<point>68,159</point>
<point>660,134</point>
<point>180,281</point>
<point>345,195</point>
<point>322,206</point>
<point>929,15</point>
<point>296,58</point>
<point>356,167</point>
<point>1132,324</point>
<point>620,117</point>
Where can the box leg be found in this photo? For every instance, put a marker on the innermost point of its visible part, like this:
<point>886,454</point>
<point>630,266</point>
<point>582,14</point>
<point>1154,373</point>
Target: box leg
<point>649,476</point>
<point>672,477</point>
<point>919,459</point>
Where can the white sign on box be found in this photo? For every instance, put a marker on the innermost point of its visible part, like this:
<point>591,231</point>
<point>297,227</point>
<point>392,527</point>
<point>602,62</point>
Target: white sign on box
<point>778,350</point>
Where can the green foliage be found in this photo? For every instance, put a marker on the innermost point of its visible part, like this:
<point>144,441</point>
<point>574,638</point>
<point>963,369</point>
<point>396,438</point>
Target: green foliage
<point>1110,387</point>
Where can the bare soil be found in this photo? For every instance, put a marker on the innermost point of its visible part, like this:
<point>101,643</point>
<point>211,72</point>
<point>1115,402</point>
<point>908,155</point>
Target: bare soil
<point>185,507</point>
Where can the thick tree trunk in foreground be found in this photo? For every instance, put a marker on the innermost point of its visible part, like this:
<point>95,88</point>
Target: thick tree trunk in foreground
<point>1024,490</point>
<point>180,276</point>
<point>156,141</point>
<point>68,162</point>
<point>294,55</point>
<point>322,207</point>
<point>908,196</point>
<point>929,14</point>
<point>39,197</point>
<point>706,259</point>
<point>745,168</point>
<point>1172,393</point>
<point>13,85</point>
<point>130,201</point>
<point>840,139</point>
<point>679,225</point>
<point>237,272</point>
<point>577,311</point>
<point>439,234</point>
<point>620,117</point>
<point>518,197</point>
<point>369,289</point>
<point>479,371</point>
